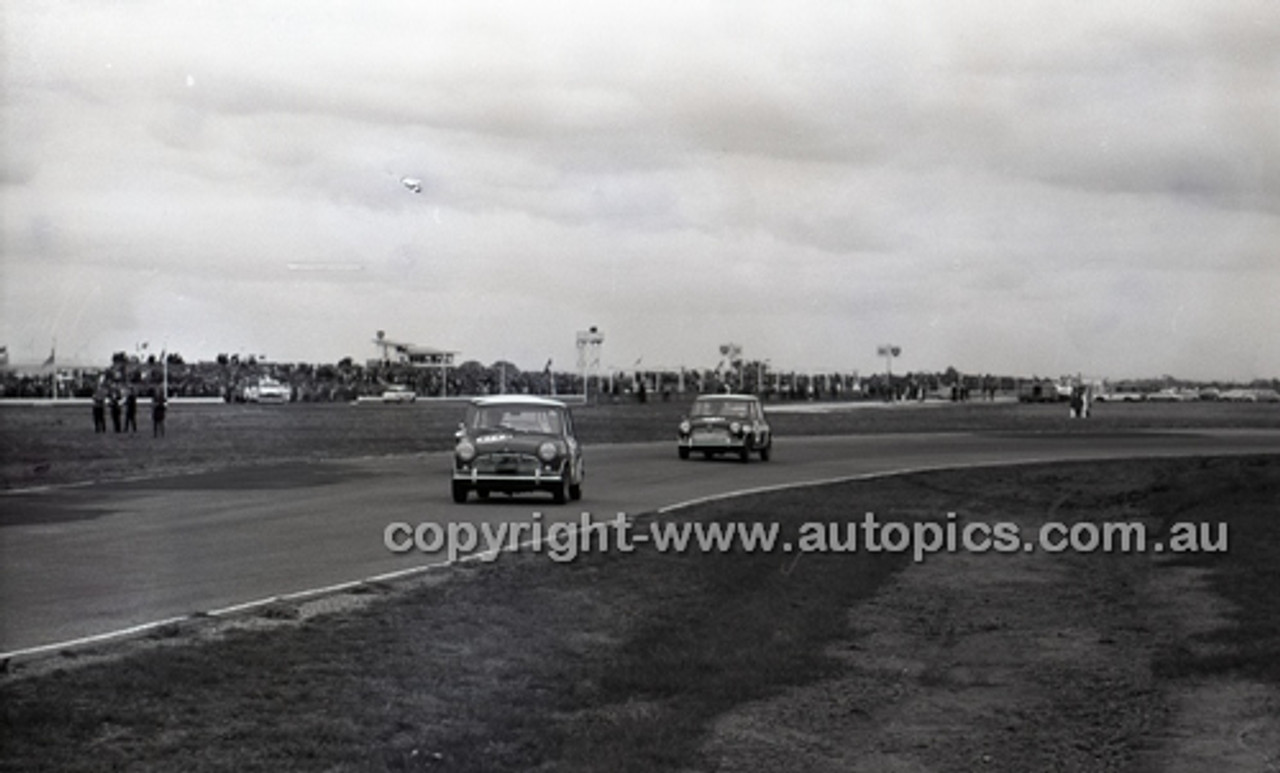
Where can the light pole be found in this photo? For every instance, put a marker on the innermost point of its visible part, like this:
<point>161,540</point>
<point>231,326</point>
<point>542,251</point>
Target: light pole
<point>732,353</point>
<point>138,348</point>
<point>888,352</point>
<point>589,342</point>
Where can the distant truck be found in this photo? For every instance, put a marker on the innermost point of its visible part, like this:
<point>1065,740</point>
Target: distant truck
<point>1042,391</point>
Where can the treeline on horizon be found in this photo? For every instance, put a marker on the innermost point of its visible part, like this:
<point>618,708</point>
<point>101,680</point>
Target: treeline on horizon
<point>227,376</point>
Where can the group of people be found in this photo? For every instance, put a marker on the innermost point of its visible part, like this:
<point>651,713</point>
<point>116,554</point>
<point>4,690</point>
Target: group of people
<point>105,400</point>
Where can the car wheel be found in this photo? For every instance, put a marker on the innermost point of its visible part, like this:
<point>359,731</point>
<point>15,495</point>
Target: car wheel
<point>744,455</point>
<point>684,452</point>
<point>765,451</point>
<point>575,482</point>
<point>561,492</point>
<point>460,492</point>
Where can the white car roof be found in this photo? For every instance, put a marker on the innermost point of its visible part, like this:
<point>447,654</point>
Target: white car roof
<point>517,400</point>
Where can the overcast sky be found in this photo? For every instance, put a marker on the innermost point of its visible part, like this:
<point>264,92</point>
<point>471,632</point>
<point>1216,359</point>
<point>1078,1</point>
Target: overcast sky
<point>1009,187</point>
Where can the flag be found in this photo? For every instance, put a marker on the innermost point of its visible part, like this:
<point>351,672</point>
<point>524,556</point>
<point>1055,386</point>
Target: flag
<point>51,358</point>
<point>547,370</point>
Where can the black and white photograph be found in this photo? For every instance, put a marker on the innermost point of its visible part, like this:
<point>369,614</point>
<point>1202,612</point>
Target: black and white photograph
<point>679,386</point>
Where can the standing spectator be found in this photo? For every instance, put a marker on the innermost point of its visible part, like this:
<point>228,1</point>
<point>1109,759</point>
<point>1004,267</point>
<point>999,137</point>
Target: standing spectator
<point>115,409</point>
<point>131,411</point>
<point>1077,402</point>
<point>157,414</point>
<point>99,411</point>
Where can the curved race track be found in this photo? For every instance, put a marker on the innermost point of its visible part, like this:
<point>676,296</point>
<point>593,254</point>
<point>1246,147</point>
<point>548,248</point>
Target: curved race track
<point>88,560</point>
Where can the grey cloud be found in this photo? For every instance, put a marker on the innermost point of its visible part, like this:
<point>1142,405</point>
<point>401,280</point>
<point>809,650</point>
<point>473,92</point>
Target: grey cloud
<point>825,167</point>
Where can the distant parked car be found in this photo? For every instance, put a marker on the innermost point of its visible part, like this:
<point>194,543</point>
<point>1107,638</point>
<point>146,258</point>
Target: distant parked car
<point>267,390</point>
<point>513,444</point>
<point>1240,396</point>
<point>1172,395</point>
<point>1266,396</point>
<point>397,393</point>
<point>725,424</point>
<point>1121,397</point>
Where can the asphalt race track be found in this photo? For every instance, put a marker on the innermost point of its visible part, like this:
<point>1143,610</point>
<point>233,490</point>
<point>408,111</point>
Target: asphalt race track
<point>87,560</point>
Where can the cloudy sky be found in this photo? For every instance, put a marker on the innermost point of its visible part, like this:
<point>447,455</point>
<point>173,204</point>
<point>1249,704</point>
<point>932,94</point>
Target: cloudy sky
<point>1009,187</point>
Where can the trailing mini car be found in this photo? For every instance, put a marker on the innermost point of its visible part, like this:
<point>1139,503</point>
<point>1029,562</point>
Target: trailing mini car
<point>725,424</point>
<point>514,444</point>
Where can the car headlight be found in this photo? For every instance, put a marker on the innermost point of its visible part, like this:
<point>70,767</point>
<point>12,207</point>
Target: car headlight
<point>465,451</point>
<point>685,428</point>
<point>547,452</point>
<point>735,428</point>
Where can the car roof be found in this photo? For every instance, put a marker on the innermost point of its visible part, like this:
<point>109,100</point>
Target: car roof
<point>517,400</point>
<point>734,397</point>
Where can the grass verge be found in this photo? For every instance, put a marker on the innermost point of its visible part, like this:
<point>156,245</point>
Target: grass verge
<point>618,662</point>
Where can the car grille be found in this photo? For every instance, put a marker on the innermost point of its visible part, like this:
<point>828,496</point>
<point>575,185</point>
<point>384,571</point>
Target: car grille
<point>506,464</point>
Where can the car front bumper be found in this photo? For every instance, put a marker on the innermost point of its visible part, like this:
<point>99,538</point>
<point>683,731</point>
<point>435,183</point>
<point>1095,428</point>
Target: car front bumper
<point>714,440</point>
<point>522,473</point>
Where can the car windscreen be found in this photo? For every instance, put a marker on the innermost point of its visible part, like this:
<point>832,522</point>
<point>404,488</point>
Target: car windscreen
<point>727,408</point>
<point>517,418</point>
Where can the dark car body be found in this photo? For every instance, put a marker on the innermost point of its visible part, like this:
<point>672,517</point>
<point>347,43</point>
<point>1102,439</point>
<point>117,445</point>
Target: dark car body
<point>516,444</point>
<point>725,424</point>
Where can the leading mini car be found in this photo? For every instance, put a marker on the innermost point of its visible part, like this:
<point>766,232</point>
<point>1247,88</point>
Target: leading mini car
<point>515,444</point>
<point>725,424</point>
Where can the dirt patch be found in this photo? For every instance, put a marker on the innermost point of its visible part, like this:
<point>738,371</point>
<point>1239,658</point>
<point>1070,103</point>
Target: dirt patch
<point>1228,725</point>
<point>1029,661</point>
